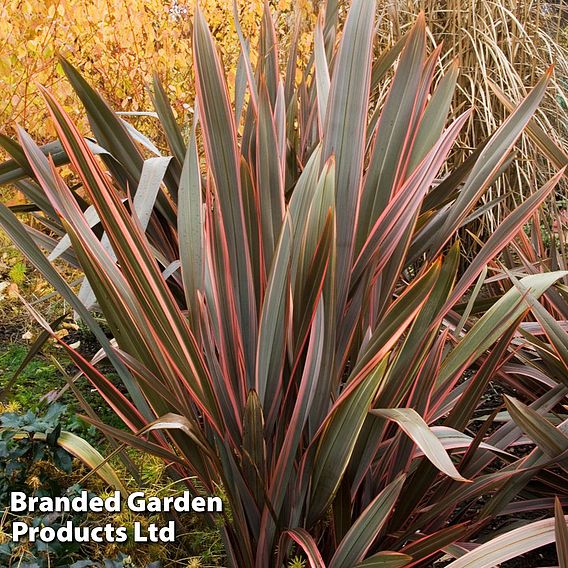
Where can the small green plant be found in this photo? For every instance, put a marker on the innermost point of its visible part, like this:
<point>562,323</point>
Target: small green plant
<point>41,379</point>
<point>297,562</point>
<point>17,273</point>
<point>38,378</point>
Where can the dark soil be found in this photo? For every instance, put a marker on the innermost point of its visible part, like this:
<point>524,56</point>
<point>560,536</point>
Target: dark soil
<point>89,343</point>
<point>10,333</point>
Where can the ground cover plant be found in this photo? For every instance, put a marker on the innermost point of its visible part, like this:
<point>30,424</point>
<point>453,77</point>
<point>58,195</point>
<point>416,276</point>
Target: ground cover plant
<point>35,455</point>
<point>47,450</point>
<point>287,312</point>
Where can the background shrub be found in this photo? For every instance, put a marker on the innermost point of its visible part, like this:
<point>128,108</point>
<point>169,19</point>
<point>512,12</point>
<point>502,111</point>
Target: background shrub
<point>117,44</point>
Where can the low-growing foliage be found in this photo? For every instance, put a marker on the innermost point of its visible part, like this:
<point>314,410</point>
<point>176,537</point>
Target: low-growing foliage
<point>287,314</point>
<point>35,458</point>
<point>29,383</point>
<point>40,374</point>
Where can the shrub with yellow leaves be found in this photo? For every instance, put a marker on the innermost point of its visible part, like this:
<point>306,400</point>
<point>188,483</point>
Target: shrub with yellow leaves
<point>117,44</point>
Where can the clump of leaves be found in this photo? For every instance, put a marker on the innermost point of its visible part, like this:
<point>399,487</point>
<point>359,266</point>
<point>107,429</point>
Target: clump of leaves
<point>19,451</point>
<point>35,458</point>
<point>287,315</point>
<point>31,438</point>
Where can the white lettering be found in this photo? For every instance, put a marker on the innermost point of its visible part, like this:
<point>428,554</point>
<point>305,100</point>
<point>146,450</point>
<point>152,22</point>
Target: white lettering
<point>138,537</point>
<point>18,501</point>
<point>96,534</point>
<point>198,504</point>
<point>47,534</point>
<point>168,534</point>
<point>112,503</point>
<point>214,505</point>
<point>19,529</point>
<point>96,505</point>
<point>136,502</point>
<point>121,535</point>
<point>154,533</point>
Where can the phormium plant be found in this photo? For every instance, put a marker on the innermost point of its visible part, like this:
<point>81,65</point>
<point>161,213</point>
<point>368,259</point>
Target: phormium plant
<point>288,318</point>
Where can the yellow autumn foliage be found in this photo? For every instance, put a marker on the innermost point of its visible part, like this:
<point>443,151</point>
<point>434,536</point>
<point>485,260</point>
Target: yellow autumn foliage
<point>117,44</point>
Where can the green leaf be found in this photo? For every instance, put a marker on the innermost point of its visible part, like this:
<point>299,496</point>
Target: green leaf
<point>191,226</point>
<point>220,137</point>
<point>168,121</point>
<point>254,458</point>
<point>344,131</point>
<point>271,349</point>
<point>396,117</point>
<point>307,544</point>
<point>323,80</point>
<point>504,233</point>
<point>489,162</point>
<point>430,544</point>
<point>84,452</point>
<point>400,315</point>
<point>368,525</point>
<point>284,472</point>
<point>548,438</point>
<point>434,117</point>
<point>554,331</point>
<point>550,148</point>
<point>108,128</point>
<point>313,247</point>
<point>151,177</point>
<point>494,322</point>
<point>267,62</point>
<point>269,177</point>
<point>338,440</point>
<point>398,215</point>
<point>386,559</point>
